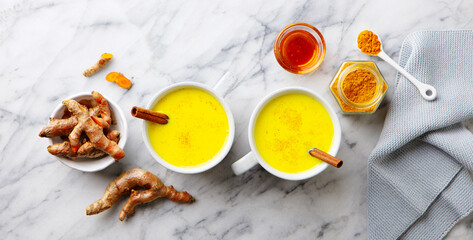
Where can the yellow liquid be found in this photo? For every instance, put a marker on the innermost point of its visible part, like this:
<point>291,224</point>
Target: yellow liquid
<point>288,127</point>
<point>197,129</point>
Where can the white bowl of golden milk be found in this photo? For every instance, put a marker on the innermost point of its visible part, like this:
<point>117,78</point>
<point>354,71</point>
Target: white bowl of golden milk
<point>199,132</point>
<point>284,126</point>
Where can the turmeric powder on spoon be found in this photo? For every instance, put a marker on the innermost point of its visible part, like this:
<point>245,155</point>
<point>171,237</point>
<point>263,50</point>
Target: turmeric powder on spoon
<point>369,43</point>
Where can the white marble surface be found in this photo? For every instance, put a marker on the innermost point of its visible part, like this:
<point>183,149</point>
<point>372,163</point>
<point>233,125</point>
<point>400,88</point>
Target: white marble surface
<point>45,45</point>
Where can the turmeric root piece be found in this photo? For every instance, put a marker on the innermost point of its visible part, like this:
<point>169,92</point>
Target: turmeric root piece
<point>62,149</point>
<point>89,151</point>
<point>104,110</point>
<point>125,184</point>
<point>94,111</point>
<point>86,150</point>
<point>123,82</point>
<point>104,59</point>
<point>59,127</point>
<point>112,77</point>
<point>92,126</point>
<point>114,135</point>
<point>119,79</point>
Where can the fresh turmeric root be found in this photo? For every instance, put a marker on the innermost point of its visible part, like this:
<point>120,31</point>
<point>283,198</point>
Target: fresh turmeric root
<point>86,150</point>
<point>123,82</point>
<point>59,127</point>
<point>112,77</point>
<point>104,59</point>
<point>91,121</point>
<point>125,184</point>
<point>119,79</point>
<point>89,151</point>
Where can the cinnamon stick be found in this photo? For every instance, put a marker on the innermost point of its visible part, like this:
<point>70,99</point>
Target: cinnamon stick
<point>317,153</point>
<point>149,115</point>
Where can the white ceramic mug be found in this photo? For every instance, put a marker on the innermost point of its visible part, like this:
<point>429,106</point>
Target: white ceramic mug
<point>223,86</point>
<point>253,158</point>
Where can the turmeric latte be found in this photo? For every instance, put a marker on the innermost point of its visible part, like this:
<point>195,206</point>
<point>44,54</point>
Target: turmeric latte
<point>369,43</point>
<point>197,129</point>
<point>288,127</point>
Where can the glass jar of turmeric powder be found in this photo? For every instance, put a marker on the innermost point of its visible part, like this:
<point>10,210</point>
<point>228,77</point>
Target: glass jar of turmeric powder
<point>358,87</point>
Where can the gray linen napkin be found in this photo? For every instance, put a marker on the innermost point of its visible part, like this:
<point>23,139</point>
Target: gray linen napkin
<point>418,184</point>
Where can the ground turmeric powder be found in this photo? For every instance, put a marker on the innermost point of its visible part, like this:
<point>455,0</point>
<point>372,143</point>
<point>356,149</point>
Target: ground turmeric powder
<point>356,91</point>
<point>359,86</point>
<point>369,43</point>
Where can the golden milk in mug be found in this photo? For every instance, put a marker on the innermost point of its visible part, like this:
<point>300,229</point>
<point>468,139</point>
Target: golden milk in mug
<point>287,127</point>
<point>197,130</point>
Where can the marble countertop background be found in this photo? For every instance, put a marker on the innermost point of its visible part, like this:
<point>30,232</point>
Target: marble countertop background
<point>45,45</point>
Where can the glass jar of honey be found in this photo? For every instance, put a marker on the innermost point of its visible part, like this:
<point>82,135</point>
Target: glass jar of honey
<point>359,87</point>
<point>299,48</point>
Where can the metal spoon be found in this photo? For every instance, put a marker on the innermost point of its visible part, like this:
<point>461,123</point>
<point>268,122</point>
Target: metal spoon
<point>428,92</point>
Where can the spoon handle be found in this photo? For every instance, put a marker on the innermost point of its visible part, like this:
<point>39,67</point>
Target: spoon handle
<point>427,91</point>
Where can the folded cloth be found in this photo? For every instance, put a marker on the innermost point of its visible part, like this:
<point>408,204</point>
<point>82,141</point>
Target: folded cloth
<point>418,181</point>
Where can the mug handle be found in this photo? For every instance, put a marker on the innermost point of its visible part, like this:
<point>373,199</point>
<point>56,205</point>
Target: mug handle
<point>244,164</point>
<point>225,84</point>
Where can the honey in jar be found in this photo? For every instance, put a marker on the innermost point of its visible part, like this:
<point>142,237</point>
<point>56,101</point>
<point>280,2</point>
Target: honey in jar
<point>299,48</point>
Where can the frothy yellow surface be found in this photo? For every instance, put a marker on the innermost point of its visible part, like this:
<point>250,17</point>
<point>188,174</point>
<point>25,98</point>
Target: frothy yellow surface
<point>287,127</point>
<point>197,129</point>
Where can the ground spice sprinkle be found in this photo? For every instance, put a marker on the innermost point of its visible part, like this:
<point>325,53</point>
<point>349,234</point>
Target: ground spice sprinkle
<point>359,86</point>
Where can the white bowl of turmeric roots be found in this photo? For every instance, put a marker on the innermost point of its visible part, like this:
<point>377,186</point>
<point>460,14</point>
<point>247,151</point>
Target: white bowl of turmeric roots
<point>87,132</point>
